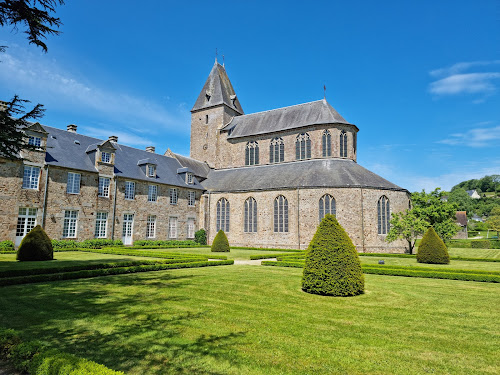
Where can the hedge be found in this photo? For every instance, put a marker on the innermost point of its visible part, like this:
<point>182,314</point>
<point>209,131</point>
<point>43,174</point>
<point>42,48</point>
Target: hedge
<point>6,246</point>
<point>31,357</point>
<point>265,256</point>
<point>200,237</point>
<point>220,244</point>
<point>432,249</point>
<point>267,249</point>
<point>35,246</point>
<point>493,244</point>
<point>168,243</point>
<point>150,254</point>
<point>83,274</point>
<point>480,244</point>
<point>96,243</point>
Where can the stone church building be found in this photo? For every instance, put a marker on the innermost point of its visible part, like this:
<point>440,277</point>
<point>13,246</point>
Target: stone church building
<point>265,178</point>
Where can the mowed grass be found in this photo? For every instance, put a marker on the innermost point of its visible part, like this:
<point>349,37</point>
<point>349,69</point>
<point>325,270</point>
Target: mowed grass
<point>474,253</point>
<point>454,264</point>
<point>236,254</point>
<point>63,259</point>
<point>256,320</point>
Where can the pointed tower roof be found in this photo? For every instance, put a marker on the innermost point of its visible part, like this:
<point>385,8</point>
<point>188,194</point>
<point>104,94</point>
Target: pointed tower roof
<point>217,90</point>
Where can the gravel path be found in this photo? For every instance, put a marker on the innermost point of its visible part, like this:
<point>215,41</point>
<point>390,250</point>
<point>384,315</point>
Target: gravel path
<point>257,262</point>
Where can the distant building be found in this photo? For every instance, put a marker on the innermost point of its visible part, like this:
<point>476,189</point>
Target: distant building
<point>461,219</point>
<point>473,194</point>
<point>476,217</point>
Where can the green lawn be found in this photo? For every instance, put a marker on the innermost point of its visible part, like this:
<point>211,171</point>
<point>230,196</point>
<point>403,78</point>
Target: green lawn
<point>237,254</point>
<point>454,264</point>
<point>62,259</point>
<point>256,320</point>
<point>475,253</point>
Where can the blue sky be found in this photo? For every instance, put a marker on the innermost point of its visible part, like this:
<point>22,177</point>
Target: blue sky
<point>421,79</point>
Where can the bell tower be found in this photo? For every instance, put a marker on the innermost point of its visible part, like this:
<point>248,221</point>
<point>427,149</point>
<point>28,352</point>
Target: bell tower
<point>216,105</point>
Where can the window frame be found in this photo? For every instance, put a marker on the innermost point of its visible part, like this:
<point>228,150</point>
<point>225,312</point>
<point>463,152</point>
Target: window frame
<point>250,215</point>
<point>276,150</point>
<point>326,139</point>
<point>252,153</point>
<point>70,224</point>
<point>332,206</point>
<point>303,146</point>
<point>34,141</point>
<point>173,224</point>
<point>343,144</point>
<point>74,188</point>
<point>30,180</point>
<point>173,195</point>
<point>101,223</point>
<point>108,157</point>
<point>26,220</point>
<point>383,215</point>
<point>223,216</point>
<point>190,227</point>
<point>280,217</point>
<point>151,226</point>
<point>129,191</point>
<point>189,178</point>
<point>191,198</point>
<point>101,187</point>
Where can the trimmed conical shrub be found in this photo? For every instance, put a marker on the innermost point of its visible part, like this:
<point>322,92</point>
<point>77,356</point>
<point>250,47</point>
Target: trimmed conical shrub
<point>220,244</point>
<point>36,245</point>
<point>332,266</point>
<point>432,249</point>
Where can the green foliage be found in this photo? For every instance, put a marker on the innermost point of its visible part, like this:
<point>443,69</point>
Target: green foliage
<point>480,244</point>
<point>408,226</point>
<point>485,184</point>
<point>96,243</point>
<point>167,243</point>
<point>438,213</point>
<point>332,265</point>
<point>8,339</point>
<point>21,355</point>
<point>494,220</point>
<point>464,203</point>
<point>35,246</point>
<point>220,244</point>
<point>432,249</point>
<point>6,245</point>
<point>200,237</point>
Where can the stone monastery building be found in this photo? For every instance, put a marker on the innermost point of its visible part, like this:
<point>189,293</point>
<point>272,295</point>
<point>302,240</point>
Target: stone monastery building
<point>265,178</point>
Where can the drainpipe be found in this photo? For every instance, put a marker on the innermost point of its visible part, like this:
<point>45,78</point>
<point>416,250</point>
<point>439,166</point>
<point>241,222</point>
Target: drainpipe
<point>362,222</point>
<point>44,206</point>
<point>114,210</point>
<point>208,219</point>
<point>298,217</point>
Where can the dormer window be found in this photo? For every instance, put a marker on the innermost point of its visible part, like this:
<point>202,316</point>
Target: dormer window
<point>189,178</point>
<point>151,170</point>
<point>34,141</point>
<point>105,157</point>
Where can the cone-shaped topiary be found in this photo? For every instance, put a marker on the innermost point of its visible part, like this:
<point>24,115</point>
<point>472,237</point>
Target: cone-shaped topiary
<point>432,249</point>
<point>220,244</point>
<point>332,266</point>
<point>36,245</point>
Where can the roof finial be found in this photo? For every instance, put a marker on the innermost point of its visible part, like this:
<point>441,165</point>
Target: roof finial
<point>223,63</point>
<point>215,54</point>
<point>324,92</point>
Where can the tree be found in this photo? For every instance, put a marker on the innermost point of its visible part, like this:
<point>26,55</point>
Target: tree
<point>220,244</point>
<point>36,245</point>
<point>12,137</point>
<point>432,249</point>
<point>462,200</point>
<point>440,214</point>
<point>35,15</point>
<point>332,265</point>
<point>494,220</point>
<point>407,226</point>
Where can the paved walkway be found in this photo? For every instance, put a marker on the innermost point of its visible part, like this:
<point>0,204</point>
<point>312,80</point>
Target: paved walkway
<point>257,262</point>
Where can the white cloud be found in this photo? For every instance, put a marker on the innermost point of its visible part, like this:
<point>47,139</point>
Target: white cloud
<point>478,137</point>
<point>454,80</point>
<point>128,138</point>
<point>59,88</point>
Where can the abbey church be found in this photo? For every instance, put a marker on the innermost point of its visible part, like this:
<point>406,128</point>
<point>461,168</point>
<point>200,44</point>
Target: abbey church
<point>265,178</point>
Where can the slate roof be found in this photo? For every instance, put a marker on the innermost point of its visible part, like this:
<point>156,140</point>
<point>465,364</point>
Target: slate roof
<point>293,117</point>
<point>219,89</point>
<point>199,168</point>
<point>69,150</point>
<point>299,174</point>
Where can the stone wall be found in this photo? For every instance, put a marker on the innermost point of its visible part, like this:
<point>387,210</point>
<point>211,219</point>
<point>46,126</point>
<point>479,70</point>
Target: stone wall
<point>356,211</point>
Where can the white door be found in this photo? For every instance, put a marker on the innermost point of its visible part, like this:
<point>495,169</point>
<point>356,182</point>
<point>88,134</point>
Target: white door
<point>128,227</point>
<point>26,221</point>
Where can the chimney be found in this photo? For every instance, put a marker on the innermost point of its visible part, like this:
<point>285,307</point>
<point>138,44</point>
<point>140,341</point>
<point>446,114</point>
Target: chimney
<point>113,138</point>
<point>71,128</point>
<point>150,149</point>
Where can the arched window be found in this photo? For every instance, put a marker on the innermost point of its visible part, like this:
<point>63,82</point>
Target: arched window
<point>384,215</point>
<point>326,206</point>
<point>280,214</point>
<point>276,151</point>
<point>343,144</point>
<point>250,220</point>
<point>303,147</point>
<point>327,144</point>
<point>252,153</point>
<point>223,215</point>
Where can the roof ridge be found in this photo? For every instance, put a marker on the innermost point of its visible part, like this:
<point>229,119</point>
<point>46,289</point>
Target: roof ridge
<point>276,109</point>
<point>286,163</point>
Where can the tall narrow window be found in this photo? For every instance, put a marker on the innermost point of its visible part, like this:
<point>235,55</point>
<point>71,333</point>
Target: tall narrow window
<point>303,147</point>
<point>384,215</point>
<point>30,177</point>
<point>191,198</point>
<point>190,228</point>
<point>26,221</point>
<point>343,144</point>
<point>129,190</point>
<point>151,227</point>
<point>173,195</point>
<point>327,144</point>
<point>277,151</point>
<point>151,170</point>
<point>73,186</point>
<point>252,153</point>
<point>280,214</point>
<point>70,224</point>
<point>250,219</point>
<point>189,178</point>
<point>172,227</point>
<point>103,189</point>
<point>101,221</point>
<point>326,206</point>
<point>152,193</point>
<point>223,215</point>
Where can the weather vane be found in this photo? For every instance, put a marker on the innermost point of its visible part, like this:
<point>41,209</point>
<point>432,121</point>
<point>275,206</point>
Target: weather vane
<point>324,92</point>
<point>215,54</point>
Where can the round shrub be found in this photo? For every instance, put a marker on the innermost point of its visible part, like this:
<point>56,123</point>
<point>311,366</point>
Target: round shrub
<point>432,249</point>
<point>200,237</point>
<point>220,244</point>
<point>36,245</point>
<point>332,266</point>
